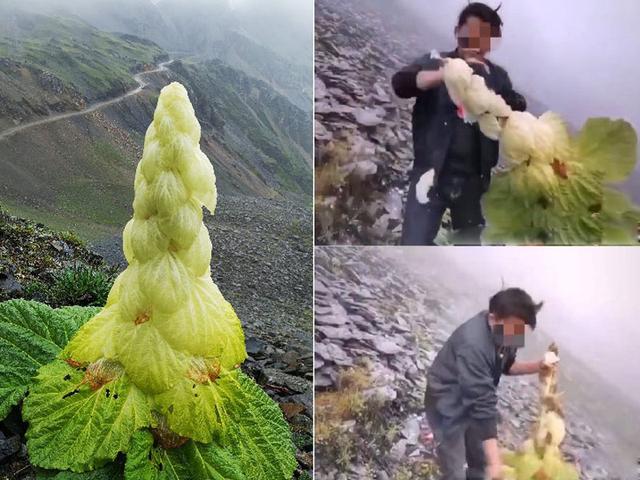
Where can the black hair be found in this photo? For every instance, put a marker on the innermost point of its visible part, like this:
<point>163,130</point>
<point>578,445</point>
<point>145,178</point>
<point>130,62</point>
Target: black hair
<point>484,13</point>
<point>517,303</point>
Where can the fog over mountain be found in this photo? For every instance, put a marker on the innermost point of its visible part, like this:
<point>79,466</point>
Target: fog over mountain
<point>590,293</point>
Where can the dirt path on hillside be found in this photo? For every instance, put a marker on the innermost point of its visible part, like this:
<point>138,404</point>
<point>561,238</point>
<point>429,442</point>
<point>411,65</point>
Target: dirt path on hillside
<point>139,78</point>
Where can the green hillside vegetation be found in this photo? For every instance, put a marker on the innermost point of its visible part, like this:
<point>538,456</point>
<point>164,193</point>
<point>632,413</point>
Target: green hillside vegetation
<point>97,63</point>
<point>291,80</point>
<point>76,173</point>
<point>254,121</point>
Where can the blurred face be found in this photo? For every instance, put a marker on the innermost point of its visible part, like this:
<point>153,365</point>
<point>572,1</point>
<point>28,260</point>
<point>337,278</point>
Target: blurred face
<point>476,36</point>
<point>508,331</point>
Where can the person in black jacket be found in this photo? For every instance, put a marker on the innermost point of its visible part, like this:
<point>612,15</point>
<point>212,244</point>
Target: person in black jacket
<point>461,398</point>
<point>460,156</point>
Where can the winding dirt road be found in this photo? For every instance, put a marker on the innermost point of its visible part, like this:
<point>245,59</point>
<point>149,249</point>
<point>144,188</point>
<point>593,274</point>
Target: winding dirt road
<point>92,108</point>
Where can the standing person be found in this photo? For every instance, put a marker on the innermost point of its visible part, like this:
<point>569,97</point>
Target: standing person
<point>459,155</point>
<point>461,397</point>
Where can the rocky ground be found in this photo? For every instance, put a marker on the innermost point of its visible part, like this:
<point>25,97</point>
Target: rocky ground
<point>374,317</point>
<point>262,262</point>
<point>363,131</point>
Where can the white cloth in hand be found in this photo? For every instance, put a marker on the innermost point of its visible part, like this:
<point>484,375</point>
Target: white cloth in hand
<point>423,186</point>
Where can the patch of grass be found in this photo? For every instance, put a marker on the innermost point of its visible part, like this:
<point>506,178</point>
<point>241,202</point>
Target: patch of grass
<point>78,284</point>
<point>102,204</point>
<point>107,155</point>
<point>60,219</point>
<point>302,441</point>
<point>71,238</point>
<point>334,409</point>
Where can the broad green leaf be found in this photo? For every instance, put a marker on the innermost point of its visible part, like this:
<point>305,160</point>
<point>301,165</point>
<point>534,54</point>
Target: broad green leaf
<point>620,218</point>
<point>74,317</point>
<point>111,471</point>
<point>72,426</point>
<point>258,434</point>
<point>244,418</point>
<point>193,461</point>
<point>507,215</point>
<point>31,335</point>
<point>610,146</point>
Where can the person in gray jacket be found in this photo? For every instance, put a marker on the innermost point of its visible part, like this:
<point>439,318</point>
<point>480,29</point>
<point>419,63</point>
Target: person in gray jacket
<point>461,396</point>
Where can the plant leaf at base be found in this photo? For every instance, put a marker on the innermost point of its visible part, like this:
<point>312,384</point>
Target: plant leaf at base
<point>73,427</point>
<point>31,335</point>
<point>255,445</point>
<point>192,461</point>
<point>259,435</point>
<point>111,471</point>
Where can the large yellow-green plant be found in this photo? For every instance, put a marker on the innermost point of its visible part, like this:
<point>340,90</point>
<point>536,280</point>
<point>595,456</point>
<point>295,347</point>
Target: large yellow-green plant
<point>155,373</point>
<point>554,188</point>
<point>540,458</point>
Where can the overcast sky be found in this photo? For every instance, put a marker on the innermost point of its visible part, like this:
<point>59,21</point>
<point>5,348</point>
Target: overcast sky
<point>579,57</point>
<point>591,295</point>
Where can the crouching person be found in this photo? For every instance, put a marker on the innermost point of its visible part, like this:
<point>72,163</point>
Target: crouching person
<point>461,397</point>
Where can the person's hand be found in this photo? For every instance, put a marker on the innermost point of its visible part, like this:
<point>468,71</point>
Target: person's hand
<point>549,361</point>
<point>427,79</point>
<point>494,472</point>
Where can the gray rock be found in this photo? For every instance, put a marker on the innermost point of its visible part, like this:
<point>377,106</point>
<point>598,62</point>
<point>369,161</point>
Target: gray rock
<point>9,286</point>
<point>273,377</point>
<point>9,446</point>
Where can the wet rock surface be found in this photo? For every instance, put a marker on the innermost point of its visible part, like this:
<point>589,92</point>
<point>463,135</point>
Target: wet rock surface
<point>369,308</point>
<point>360,192</point>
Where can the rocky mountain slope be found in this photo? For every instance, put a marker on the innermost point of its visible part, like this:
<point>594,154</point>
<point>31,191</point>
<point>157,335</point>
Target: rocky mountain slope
<point>76,173</point>
<point>268,42</point>
<point>289,79</point>
<point>363,132</point>
<point>53,64</point>
<point>378,328</point>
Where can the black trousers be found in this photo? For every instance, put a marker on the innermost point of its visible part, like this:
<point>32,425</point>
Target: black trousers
<point>455,447</point>
<point>460,195</point>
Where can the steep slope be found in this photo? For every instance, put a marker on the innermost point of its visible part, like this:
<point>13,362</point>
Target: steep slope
<point>289,79</point>
<point>136,17</point>
<point>76,173</point>
<point>270,42</point>
<point>253,121</point>
<point>381,318</point>
<point>53,64</point>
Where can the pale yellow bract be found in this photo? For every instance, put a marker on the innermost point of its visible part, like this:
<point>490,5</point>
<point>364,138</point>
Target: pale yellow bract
<point>540,456</point>
<point>523,137</point>
<point>165,320</point>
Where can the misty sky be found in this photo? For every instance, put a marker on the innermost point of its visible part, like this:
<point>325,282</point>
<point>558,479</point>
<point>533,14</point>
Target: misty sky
<point>592,304</point>
<point>578,57</point>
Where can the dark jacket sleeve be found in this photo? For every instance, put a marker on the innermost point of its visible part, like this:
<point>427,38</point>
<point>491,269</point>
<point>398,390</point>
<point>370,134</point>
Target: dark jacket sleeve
<point>404,81</point>
<point>516,101</point>
<point>478,390</point>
